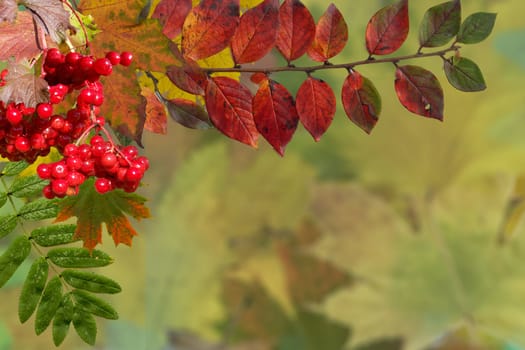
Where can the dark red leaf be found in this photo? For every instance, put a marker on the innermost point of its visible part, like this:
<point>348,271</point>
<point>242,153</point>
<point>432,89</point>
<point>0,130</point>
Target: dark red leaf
<point>315,102</point>
<point>440,24</point>
<point>419,91</point>
<point>171,15</point>
<point>256,33</point>
<point>229,104</point>
<point>189,78</point>
<point>209,28</point>
<point>275,114</point>
<point>388,28</point>
<point>296,29</point>
<point>361,101</point>
<point>331,35</point>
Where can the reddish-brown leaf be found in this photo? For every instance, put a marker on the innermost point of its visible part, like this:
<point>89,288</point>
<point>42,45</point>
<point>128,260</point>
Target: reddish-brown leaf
<point>50,16</point>
<point>315,102</point>
<point>229,104</point>
<point>188,113</point>
<point>296,29</point>
<point>189,78</point>
<point>18,38</point>
<point>361,101</point>
<point>171,15</point>
<point>209,28</point>
<point>258,77</point>
<point>419,91</point>
<point>8,10</point>
<point>256,33</point>
<point>331,35</point>
<point>275,114</point>
<point>156,119</point>
<point>22,85</point>
<point>388,28</point>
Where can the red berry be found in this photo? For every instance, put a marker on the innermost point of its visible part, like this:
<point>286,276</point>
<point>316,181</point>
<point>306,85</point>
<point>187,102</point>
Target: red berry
<point>72,58</point>
<point>44,110</point>
<point>96,140</point>
<point>59,170</point>
<point>22,144</point>
<point>75,178</point>
<point>48,192</point>
<point>74,163</point>
<point>59,187</point>
<point>108,160</point>
<point>70,150</point>
<point>88,167</point>
<point>44,171</point>
<point>57,122</point>
<point>38,142</point>
<point>103,185</point>
<point>126,58</point>
<point>13,115</point>
<point>86,63</point>
<point>103,66</point>
<point>113,57</point>
<point>54,58</point>
<point>134,175</point>
<point>130,152</point>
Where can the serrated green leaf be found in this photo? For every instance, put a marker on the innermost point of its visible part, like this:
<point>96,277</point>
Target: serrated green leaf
<point>27,186</point>
<point>49,304</point>
<point>32,290</point>
<point>94,305</point>
<point>91,282</point>
<point>85,325</point>
<point>464,74</point>
<point>78,257</point>
<point>3,199</point>
<point>7,224</point>
<point>440,24</point>
<point>48,236</point>
<point>62,320</point>
<point>13,257</point>
<point>14,168</point>
<point>476,28</point>
<point>39,209</point>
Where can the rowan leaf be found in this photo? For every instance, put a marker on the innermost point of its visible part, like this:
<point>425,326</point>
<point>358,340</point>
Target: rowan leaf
<point>14,168</point>
<point>22,85</point>
<point>92,209</point>
<point>476,28</point>
<point>49,304</point>
<point>229,104</point>
<point>90,281</point>
<point>188,113</point>
<point>89,303</point>
<point>18,38</point>
<point>331,35</point>
<point>27,186</point>
<point>316,106</point>
<point>275,114</point>
<point>440,24</point>
<point>419,91</point>
<point>39,209</point>
<point>296,29</point>
<point>33,288</point>
<point>3,199</point>
<point>7,224</point>
<point>62,319</point>
<point>361,101</point>
<point>13,257</point>
<point>171,15</point>
<point>257,31</point>
<point>53,235</point>
<point>8,11</point>
<point>85,326</point>
<point>50,16</point>
<point>78,258</point>
<point>464,74</point>
<point>209,27</point>
<point>388,29</point>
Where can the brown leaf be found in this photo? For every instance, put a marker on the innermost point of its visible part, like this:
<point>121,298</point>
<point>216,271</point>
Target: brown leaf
<point>50,16</point>
<point>24,86</point>
<point>18,38</point>
<point>156,119</point>
<point>8,10</point>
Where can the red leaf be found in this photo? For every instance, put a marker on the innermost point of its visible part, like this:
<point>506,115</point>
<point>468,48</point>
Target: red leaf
<point>296,29</point>
<point>361,101</point>
<point>258,77</point>
<point>18,38</point>
<point>419,91</point>
<point>189,78</point>
<point>387,29</point>
<point>256,33</point>
<point>230,109</point>
<point>171,15</point>
<point>209,28</point>
<point>331,35</point>
<point>315,102</point>
<point>275,114</point>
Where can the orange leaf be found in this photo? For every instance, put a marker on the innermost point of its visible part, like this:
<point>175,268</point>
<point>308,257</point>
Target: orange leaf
<point>296,29</point>
<point>156,119</point>
<point>331,35</point>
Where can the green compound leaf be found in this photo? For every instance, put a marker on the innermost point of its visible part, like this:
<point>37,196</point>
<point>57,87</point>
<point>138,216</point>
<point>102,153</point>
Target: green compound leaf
<point>33,288</point>
<point>14,168</point>
<point>40,209</point>
<point>3,199</point>
<point>49,236</point>
<point>13,257</point>
<point>440,24</point>
<point>85,325</point>
<point>464,74</point>
<point>94,305</point>
<point>27,186</point>
<point>62,320</point>
<point>476,28</point>
<point>49,304</point>
<point>91,282</point>
<point>7,224</point>
<point>78,257</point>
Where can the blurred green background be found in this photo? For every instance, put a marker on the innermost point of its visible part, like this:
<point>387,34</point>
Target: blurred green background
<point>388,241</point>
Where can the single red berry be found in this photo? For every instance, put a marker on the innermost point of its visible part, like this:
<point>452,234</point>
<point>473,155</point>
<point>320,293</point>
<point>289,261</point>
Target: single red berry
<point>59,187</point>
<point>86,63</point>
<point>44,110</point>
<point>130,152</point>
<point>103,185</point>
<point>48,192</point>
<point>59,170</point>
<point>44,171</point>
<point>57,122</point>
<point>108,160</point>
<point>13,115</point>
<point>134,175</point>
<point>88,167</point>
<point>72,58</point>
<point>103,66</point>
<point>113,57</point>
<point>70,150</point>
<point>54,58</point>
<point>74,178</point>
<point>96,140</point>
<point>126,58</point>
<point>22,144</point>
<point>84,152</point>
<point>74,163</point>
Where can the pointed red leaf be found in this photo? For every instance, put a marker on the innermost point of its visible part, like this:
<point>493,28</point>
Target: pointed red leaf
<point>296,29</point>
<point>255,36</point>
<point>209,28</point>
<point>258,77</point>
<point>331,35</point>
<point>361,101</point>
<point>229,105</point>
<point>189,78</point>
<point>388,28</point>
<point>419,91</point>
<point>275,114</point>
<point>171,15</point>
<point>315,102</point>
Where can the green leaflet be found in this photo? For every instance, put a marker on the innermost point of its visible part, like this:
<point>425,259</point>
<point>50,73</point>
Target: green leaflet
<point>32,290</point>
<point>89,303</point>
<point>14,168</point>
<point>48,306</point>
<point>62,320</point>
<point>39,209</point>
<point>78,257</point>
<point>476,27</point>
<point>27,186</point>
<point>3,199</point>
<point>7,224</point>
<point>440,24</point>
<point>13,257</point>
<point>85,326</point>
<point>48,236</point>
<point>91,282</point>
<point>464,74</point>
